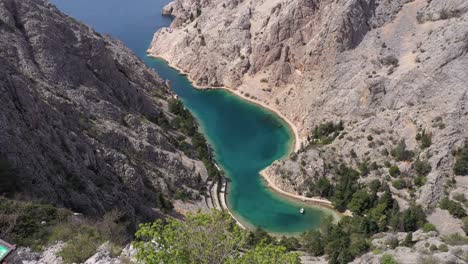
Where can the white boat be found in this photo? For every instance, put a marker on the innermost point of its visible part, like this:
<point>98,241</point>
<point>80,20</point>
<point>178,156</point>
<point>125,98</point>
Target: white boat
<point>301,211</point>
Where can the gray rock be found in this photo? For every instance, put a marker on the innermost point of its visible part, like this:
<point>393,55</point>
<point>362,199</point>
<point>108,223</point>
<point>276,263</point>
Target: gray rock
<point>79,118</point>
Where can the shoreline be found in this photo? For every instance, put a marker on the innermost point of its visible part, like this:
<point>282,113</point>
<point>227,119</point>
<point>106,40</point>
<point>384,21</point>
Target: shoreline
<point>296,144</point>
<point>320,202</point>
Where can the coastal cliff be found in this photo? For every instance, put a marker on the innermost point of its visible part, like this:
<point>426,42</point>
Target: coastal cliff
<point>392,73</point>
<point>395,67</point>
<point>84,123</point>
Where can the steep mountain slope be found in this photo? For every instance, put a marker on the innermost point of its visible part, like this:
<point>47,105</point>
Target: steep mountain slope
<point>388,69</point>
<point>84,123</point>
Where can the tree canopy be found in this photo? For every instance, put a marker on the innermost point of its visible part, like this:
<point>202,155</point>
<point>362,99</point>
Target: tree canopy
<point>204,238</point>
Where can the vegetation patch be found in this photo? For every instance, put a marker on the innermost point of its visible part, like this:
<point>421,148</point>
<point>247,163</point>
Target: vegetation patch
<point>186,123</point>
<point>325,133</point>
<point>400,153</point>
<point>454,208</point>
<point>206,238</point>
<point>461,162</point>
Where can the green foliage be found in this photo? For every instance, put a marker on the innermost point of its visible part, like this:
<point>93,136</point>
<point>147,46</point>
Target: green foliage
<point>461,162</point>
<point>443,248</point>
<point>322,188</point>
<point>257,237</point>
<point>455,239</point>
<point>36,225</point>
<point>360,202</point>
<point>394,171</point>
<point>388,259</point>
<point>375,185</point>
<point>422,167</point>
<point>345,186</point>
<point>420,180</point>
<point>21,222</point>
<point>83,246</point>
<point>408,242</point>
<point>325,133</point>
<point>428,227</point>
<point>409,220</point>
<point>314,242</point>
<point>425,139</point>
<point>459,197</point>
<point>399,184</point>
<point>203,238</point>
<point>453,207</point>
<point>290,243</point>
<point>400,153</point>
<point>265,254</point>
<point>186,123</point>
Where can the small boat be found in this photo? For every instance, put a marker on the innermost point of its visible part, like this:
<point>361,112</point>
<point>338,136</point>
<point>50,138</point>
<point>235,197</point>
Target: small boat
<point>301,211</point>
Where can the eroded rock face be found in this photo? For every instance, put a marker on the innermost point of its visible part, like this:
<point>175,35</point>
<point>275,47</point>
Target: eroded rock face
<point>81,118</point>
<point>388,69</point>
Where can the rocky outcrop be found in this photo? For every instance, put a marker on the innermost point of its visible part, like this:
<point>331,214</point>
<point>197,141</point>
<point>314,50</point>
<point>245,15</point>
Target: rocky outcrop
<point>388,69</point>
<point>83,122</point>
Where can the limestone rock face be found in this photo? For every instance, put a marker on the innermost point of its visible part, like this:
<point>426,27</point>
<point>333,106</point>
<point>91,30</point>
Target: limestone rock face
<point>81,118</point>
<point>388,69</point>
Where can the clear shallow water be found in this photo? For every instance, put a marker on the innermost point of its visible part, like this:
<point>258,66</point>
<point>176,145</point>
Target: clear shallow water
<point>245,137</point>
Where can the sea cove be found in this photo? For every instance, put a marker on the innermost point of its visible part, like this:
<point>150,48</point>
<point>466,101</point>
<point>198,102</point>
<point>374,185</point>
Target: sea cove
<point>245,137</point>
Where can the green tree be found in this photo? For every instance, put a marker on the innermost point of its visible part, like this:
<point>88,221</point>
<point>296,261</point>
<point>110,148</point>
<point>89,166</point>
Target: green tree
<point>360,202</point>
<point>461,163</point>
<point>345,187</point>
<point>203,239</point>
<point>425,139</point>
<point>266,254</point>
<point>314,242</point>
<point>322,188</point>
<point>422,167</point>
<point>401,153</point>
<point>394,171</point>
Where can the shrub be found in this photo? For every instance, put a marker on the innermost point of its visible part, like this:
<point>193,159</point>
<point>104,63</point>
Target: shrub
<point>453,207</point>
<point>408,242</point>
<point>325,133</point>
<point>314,242</point>
<point>422,167</point>
<point>425,139</point>
<point>394,171</point>
<point>21,222</point>
<point>83,246</point>
<point>387,259</point>
<point>428,227</point>
<point>370,138</point>
<point>443,248</point>
<point>399,184</point>
<point>433,248</point>
<point>400,153</point>
<point>420,180</point>
<point>459,197</point>
<point>455,239</point>
<point>204,238</point>
<point>461,163</point>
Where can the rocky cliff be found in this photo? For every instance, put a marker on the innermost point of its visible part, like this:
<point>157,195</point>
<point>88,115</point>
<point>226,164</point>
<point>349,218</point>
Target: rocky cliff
<point>391,70</point>
<point>84,124</point>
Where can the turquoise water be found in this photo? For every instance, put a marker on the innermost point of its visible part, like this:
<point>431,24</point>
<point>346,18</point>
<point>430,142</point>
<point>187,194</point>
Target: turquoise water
<point>245,137</point>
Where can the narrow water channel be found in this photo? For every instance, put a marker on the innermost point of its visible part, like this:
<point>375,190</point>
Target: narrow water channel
<point>245,137</point>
